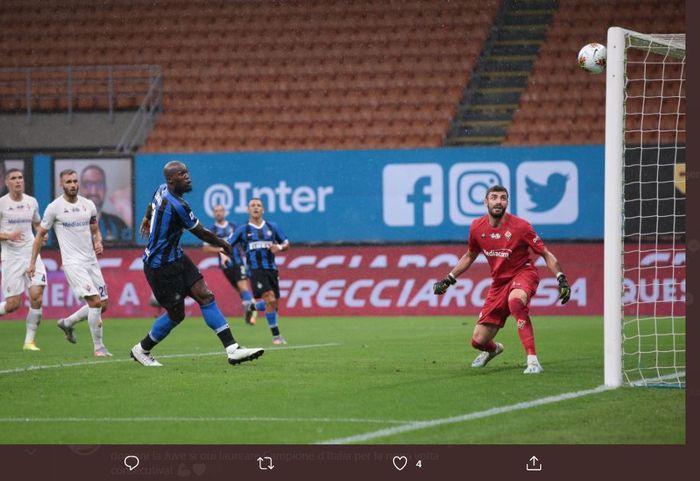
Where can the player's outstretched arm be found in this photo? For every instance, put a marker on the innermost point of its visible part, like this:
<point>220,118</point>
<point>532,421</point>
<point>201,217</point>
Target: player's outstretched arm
<point>209,237</point>
<point>554,266</point>
<point>210,249</point>
<point>145,227</point>
<point>441,286</point>
<point>36,247</point>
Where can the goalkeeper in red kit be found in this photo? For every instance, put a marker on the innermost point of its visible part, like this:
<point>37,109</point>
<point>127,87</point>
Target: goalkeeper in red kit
<point>506,241</point>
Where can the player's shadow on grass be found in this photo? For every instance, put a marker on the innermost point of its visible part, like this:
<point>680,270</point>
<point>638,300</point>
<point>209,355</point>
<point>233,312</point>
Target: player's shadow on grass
<point>504,368</point>
<point>557,366</point>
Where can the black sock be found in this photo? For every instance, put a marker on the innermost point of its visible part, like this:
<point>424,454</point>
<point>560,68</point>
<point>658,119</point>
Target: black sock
<point>147,343</point>
<point>226,337</point>
<point>275,331</point>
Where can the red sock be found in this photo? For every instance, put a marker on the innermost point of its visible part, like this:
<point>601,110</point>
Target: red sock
<point>488,347</point>
<point>521,313</point>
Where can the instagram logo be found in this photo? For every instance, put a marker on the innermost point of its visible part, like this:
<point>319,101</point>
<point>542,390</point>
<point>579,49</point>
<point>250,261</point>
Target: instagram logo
<point>468,185</point>
<point>412,194</point>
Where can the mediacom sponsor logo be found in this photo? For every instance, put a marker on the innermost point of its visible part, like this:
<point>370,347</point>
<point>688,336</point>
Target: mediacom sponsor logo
<point>497,253</point>
<point>394,280</point>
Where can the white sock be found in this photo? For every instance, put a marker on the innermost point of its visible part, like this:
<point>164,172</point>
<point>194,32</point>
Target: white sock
<point>2,308</point>
<point>79,315</point>
<point>532,359</point>
<point>95,323</point>
<point>33,320</point>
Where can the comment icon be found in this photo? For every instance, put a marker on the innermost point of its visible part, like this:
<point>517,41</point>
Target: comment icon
<point>131,462</point>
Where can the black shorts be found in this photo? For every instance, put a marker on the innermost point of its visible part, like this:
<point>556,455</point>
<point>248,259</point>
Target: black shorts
<point>263,280</point>
<point>235,274</point>
<point>171,283</point>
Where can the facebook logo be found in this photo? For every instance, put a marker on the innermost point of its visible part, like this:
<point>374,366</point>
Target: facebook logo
<point>412,194</point>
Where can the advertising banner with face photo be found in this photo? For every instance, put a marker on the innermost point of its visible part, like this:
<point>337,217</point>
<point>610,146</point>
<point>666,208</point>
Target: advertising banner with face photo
<point>21,164</point>
<point>108,183</point>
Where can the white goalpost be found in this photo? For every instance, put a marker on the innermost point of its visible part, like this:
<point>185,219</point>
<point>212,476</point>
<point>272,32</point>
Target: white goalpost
<point>644,254</point>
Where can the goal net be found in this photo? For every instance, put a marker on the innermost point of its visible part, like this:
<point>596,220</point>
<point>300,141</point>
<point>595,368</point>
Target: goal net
<point>645,276</point>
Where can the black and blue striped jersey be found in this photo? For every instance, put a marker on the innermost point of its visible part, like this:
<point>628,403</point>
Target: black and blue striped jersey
<point>256,242</point>
<point>171,215</point>
<point>223,232</point>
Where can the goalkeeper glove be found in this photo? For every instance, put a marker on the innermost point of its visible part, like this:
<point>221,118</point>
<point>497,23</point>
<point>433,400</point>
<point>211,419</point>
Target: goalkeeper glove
<point>564,289</point>
<point>440,287</point>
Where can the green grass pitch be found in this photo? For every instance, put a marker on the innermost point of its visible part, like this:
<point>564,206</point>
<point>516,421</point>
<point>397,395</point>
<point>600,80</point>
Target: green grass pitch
<point>341,380</point>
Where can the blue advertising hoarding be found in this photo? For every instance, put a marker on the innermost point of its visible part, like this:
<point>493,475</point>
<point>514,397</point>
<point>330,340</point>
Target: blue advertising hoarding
<point>407,195</point>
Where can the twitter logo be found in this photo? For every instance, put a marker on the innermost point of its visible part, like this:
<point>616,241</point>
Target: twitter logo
<point>547,191</point>
<point>546,196</point>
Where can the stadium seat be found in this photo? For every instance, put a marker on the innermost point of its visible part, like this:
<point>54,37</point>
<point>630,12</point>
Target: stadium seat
<point>396,66</point>
<point>558,92</point>
<point>366,63</point>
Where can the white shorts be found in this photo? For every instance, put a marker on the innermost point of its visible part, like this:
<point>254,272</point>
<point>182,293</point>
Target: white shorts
<point>14,276</point>
<point>86,280</point>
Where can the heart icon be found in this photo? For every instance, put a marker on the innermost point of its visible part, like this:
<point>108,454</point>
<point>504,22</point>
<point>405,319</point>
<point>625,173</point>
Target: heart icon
<point>400,462</point>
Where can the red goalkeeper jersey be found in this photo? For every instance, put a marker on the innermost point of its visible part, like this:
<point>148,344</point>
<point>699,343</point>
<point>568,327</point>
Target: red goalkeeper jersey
<point>506,247</point>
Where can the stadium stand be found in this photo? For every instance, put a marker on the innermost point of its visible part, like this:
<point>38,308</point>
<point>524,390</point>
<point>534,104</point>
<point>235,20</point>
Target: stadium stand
<point>270,75</point>
<point>328,74</point>
<point>562,104</point>
<point>500,75</point>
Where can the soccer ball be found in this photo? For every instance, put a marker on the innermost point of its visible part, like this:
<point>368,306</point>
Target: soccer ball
<point>592,58</point>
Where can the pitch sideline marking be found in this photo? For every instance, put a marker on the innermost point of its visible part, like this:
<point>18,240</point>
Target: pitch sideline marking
<point>418,425</point>
<point>205,419</point>
<point>165,356</point>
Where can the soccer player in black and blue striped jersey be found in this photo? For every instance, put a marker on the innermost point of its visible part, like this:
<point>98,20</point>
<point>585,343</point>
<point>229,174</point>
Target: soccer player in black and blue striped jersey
<point>172,275</point>
<point>260,241</point>
<point>233,267</point>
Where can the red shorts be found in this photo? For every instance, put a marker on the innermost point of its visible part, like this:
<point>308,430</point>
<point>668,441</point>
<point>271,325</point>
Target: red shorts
<point>496,310</point>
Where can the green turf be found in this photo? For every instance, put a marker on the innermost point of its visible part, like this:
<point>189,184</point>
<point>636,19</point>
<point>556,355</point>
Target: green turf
<point>653,347</point>
<point>361,375</point>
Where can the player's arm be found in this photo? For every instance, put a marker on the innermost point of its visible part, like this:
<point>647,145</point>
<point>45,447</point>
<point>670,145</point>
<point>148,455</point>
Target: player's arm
<point>234,238</point>
<point>281,247</point>
<point>36,221</point>
<point>536,244</point>
<point>281,241</point>
<point>45,237</point>
<point>464,263</point>
<point>210,249</point>
<point>554,266</point>
<point>145,227</point>
<point>14,235</point>
<point>209,237</point>
<point>238,255</point>
<point>36,247</point>
<point>96,235</point>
